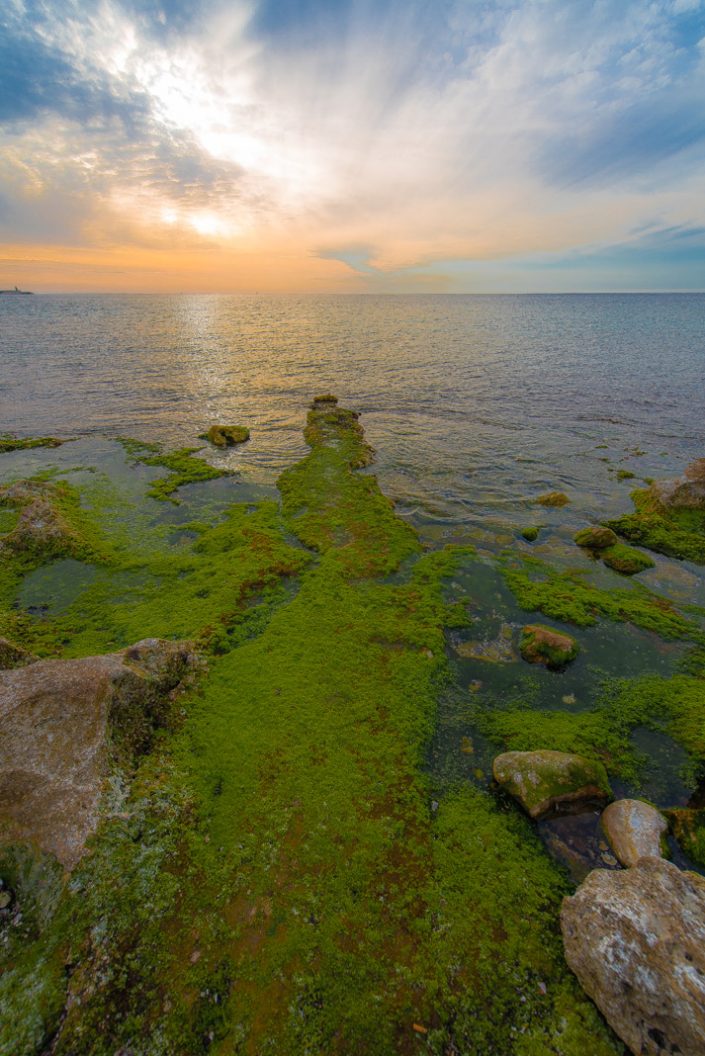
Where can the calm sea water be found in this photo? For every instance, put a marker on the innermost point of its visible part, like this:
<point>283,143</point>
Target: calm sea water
<point>474,404</point>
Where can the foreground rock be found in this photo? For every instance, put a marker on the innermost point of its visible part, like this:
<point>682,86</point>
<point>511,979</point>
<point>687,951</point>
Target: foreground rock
<point>596,537</point>
<point>634,829</point>
<point>682,493</point>
<point>545,781</point>
<point>61,722</point>
<point>545,645</point>
<point>636,941</point>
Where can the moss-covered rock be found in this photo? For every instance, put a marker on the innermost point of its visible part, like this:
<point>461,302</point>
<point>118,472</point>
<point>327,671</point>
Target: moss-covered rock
<point>596,537</point>
<point>546,781</point>
<point>226,435</point>
<point>669,517</point>
<point>546,645</point>
<point>553,498</point>
<point>688,827</point>
<point>626,559</point>
<point>12,655</point>
<point>530,533</point>
<point>10,442</point>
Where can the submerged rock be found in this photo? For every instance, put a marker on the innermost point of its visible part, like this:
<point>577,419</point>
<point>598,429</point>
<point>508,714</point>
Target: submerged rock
<point>62,721</point>
<point>626,559</point>
<point>596,537</point>
<point>636,941</point>
<point>498,650</point>
<point>682,493</point>
<point>634,829</point>
<point>553,498</point>
<point>548,781</point>
<point>226,435</point>
<point>545,645</point>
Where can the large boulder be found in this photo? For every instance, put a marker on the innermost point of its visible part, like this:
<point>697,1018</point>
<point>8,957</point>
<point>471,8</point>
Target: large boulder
<point>545,782</point>
<point>634,829</point>
<point>61,722</point>
<point>636,941</point>
<point>546,645</point>
<point>683,493</point>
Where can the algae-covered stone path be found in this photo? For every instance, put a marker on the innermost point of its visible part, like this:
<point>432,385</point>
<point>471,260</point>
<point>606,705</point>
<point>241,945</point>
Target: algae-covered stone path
<point>275,869</point>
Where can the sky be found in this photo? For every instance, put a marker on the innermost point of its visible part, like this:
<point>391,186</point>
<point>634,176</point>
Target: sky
<point>352,146</point>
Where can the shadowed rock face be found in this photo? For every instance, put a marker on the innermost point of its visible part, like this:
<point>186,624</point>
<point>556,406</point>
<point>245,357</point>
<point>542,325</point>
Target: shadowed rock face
<point>61,720</point>
<point>636,941</point>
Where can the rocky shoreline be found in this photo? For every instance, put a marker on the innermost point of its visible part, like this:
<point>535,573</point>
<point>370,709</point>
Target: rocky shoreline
<point>223,838</point>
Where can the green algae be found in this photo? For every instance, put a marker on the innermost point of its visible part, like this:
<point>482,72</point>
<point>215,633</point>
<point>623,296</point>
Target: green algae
<point>569,597</point>
<point>688,827</point>
<point>625,474</point>
<point>226,435</point>
<point>677,533</point>
<point>553,498</point>
<point>272,879</point>
<point>626,559</point>
<point>595,537</point>
<point>183,467</point>
<point>10,442</point>
<point>531,533</point>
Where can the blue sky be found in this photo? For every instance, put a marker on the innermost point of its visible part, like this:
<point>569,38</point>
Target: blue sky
<point>353,146</point>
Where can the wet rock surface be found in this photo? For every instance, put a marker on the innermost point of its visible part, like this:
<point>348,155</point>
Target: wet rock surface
<point>634,830</point>
<point>61,721</point>
<point>577,842</point>
<point>683,493</point>
<point>546,781</point>
<point>596,537</point>
<point>636,941</point>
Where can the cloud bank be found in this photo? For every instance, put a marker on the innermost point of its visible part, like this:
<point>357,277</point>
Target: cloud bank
<point>341,145</point>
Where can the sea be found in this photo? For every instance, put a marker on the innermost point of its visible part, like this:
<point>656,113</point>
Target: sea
<point>474,405</point>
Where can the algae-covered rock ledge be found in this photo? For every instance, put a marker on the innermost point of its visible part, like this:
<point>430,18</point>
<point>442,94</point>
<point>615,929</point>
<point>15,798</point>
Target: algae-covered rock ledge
<point>226,838</point>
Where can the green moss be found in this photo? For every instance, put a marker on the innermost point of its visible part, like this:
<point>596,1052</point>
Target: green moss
<point>688,827</point>
<point>569,597</point>
<point>183,467</point>
<point>553,498</point>
<point>626,559</point>
<point>530,533</point>
<point>676,533</point>
<point>10,442</point>
<point>625,474</point>
<point>226,435</point>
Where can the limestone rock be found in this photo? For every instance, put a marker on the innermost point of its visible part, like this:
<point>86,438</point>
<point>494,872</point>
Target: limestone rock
<point>545,645</point>
<point>634,830</point>
<point>547,781</point>
<point>61,722</point>
<point>596,537</point>
<point>636,941</point>
<point>683,493</point>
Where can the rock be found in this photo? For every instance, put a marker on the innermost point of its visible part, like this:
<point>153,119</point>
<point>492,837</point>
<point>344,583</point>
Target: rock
<point>62,722</point>
<point>226,435</point>
<point>545,645</point>
<point>634,830</point>
<point>575,841</point>
<point>636,941</point>
<point>12,655</point>
<point>682,493</point>
<point>498,650</point>
<point>531,533</point>
<point>596,537</point>
<point>547,781</point>
<point>552,498</point>
<point>626,559</point>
